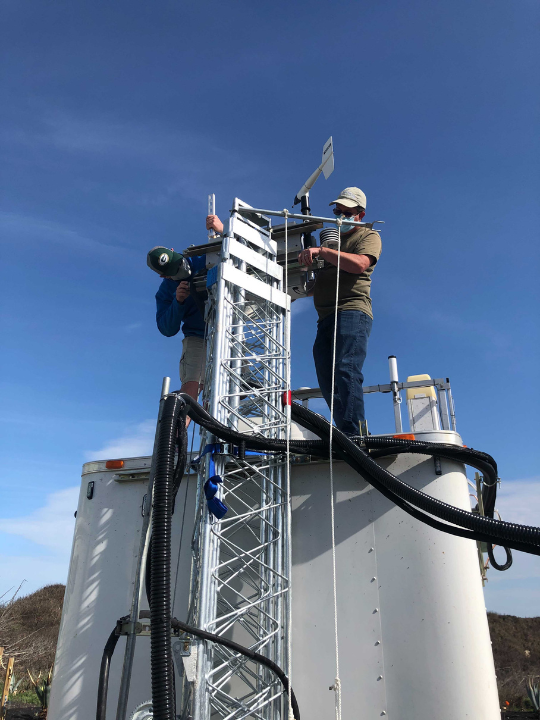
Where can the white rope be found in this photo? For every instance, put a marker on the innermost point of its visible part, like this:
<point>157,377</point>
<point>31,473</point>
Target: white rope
<point>288,476</point>
<point>337,682</point>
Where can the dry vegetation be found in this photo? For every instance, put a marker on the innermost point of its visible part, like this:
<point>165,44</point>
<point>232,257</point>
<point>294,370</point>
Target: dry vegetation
<point>516,647</point>
<point>29,629</point>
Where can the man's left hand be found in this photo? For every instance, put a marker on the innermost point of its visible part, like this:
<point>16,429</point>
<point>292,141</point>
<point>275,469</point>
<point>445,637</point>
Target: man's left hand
<point>307,256</point>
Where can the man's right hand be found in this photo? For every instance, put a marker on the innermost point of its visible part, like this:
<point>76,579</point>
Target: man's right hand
<point>182,291</point>
<point>214,223</point>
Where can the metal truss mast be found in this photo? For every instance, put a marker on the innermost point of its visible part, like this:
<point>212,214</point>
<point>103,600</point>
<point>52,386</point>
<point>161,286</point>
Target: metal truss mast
<point>240,573</point>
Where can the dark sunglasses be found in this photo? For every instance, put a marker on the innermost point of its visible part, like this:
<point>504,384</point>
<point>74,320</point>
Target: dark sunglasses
<point>348,214</point>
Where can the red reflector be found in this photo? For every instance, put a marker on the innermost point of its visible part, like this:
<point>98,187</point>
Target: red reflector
<point>114,464</point>
<point>405,436</point>
<point>286,398</point>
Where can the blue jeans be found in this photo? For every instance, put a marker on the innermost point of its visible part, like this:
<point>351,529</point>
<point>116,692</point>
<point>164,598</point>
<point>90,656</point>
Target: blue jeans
<point>353,329</point>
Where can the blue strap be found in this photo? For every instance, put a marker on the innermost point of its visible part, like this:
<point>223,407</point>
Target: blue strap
<point>211,276</point>
<point>215,506</point>
<point>210,448</point>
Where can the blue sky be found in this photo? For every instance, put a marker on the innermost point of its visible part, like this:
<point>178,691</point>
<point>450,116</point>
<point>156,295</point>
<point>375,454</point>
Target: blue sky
<point>119,118</point>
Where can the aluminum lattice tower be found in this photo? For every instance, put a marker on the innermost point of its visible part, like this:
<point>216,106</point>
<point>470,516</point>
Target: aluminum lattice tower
<point>240,569</point>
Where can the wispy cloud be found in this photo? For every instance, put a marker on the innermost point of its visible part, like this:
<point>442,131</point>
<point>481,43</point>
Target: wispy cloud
<point>519,501</point>
<point>51,529</point>
<point>517,590</point>
<point>15,228</point>
<point>138,440</point>
<point>185,159</point>
<point>132,327</point>
<point>36,571</point>
<point>300,307</point>
<point>51,525</point>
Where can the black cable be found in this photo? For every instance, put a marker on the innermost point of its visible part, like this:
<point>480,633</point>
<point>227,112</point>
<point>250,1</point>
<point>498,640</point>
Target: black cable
<point>479,460</point>
<point>520,537</point>
<point>484,528</point>
<point>494,563</point>
<point>104,671</point>
<point>251,654</point>
<point>381,446</point>
<point>487,532</point>
<point>253,442</point>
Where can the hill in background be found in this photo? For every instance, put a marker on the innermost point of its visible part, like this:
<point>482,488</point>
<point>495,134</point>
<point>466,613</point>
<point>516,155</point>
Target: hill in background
<point>516,648</point>
<point>29,630</point>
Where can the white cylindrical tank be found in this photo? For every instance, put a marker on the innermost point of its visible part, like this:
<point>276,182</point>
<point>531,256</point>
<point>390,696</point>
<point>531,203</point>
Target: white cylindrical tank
<point>413,634</point>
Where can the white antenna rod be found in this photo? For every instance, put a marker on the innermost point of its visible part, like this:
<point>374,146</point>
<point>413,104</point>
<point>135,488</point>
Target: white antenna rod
<point>394,380</point>
<point>211,211</point>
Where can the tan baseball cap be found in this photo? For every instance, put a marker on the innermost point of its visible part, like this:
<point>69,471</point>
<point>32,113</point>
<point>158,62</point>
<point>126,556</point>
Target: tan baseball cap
<point>351,197</point>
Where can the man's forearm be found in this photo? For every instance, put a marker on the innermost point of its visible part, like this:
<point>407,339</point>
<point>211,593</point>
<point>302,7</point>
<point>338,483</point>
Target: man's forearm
<point>169,317</point>
<point>349,262</point>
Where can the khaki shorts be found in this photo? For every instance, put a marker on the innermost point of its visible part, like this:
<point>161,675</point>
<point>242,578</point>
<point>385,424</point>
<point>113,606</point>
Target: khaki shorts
<point>193,360</point>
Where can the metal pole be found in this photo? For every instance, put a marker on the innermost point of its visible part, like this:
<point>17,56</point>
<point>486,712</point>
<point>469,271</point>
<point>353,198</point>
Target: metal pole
<point>394,379</point>
<point>129,652</point>
<point>452,408</point>
<point>443,407</point>
<point>297,216</point>
<point>211,211</point>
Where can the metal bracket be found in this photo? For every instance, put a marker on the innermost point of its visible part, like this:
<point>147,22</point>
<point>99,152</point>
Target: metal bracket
<point>185,658</point>
<point>182,646</point>
<point>141,627</point>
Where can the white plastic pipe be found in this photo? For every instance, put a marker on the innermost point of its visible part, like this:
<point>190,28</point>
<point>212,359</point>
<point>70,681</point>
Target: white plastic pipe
<point>165,386</point>
<point>392,364</point>
<point>394,379</point>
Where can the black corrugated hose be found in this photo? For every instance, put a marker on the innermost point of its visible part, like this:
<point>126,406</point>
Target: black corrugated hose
<point>520,537</point>
<point>415,502</point>
<point>162,670</point>
<point>383,446</point>
<point>182,444</point>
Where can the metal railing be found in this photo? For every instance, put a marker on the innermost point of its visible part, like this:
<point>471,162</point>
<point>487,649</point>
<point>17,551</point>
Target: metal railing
<point>444,396</point>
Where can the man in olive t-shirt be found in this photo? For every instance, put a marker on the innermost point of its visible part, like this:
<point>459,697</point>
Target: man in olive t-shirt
<point>360,250</point>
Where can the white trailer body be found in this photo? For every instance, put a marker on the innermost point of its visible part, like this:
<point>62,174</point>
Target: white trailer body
<point>100,585</point>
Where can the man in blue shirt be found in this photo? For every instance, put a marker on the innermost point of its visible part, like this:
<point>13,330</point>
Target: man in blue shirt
<point>177,306</point>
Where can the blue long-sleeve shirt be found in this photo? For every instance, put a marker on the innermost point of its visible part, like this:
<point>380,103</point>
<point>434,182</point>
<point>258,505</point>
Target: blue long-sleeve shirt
<point>170,314</point>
